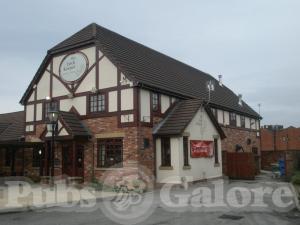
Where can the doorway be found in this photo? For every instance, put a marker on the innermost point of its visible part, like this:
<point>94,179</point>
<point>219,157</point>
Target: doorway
<point>72,159</point>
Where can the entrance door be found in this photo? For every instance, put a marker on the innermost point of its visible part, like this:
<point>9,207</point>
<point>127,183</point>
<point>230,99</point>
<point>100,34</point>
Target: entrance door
<point>67,159</point>
<point>72,159</point>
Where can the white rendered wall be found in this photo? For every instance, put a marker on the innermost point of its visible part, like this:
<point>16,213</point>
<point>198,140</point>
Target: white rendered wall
<point>220,116</point>
<point>43,86</point>
<point>29,113</point>
<point>165,103</point>
<point>79,104</point>
<point>108,76</point>
<point>113,101</point>
<point>201,168</point>
<point>39,112</point>
<point>145,105</point>
<point>127,99</point>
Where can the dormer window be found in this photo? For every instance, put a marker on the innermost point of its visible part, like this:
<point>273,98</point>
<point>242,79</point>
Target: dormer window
<point>155,102</point>
<point>97,103</point>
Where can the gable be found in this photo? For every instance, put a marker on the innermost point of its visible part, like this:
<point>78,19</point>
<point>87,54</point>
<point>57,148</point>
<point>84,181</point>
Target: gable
<point>150,69</point>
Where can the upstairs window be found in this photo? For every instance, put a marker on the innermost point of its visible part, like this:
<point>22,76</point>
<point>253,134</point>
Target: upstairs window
<point>232,119</point>
<point>155,102</point>
<point>97,103</point>
<point>243,121</point>
<point>50,106</point>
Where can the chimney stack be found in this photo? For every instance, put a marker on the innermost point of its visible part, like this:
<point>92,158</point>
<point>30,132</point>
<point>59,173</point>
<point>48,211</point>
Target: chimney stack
<point>240,99</point>
<point>220,80</point>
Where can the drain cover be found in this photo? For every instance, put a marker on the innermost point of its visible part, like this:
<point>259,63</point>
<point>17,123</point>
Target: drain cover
<point>231,217</point>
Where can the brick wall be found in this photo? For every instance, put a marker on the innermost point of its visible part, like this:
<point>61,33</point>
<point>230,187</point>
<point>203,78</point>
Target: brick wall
<point>292,160</point>
<point>238,136</point>
<point>285,139</point>
<point>267,140</point>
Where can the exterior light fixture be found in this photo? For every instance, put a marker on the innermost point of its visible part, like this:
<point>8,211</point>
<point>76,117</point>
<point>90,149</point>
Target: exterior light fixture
<point>51,127</point>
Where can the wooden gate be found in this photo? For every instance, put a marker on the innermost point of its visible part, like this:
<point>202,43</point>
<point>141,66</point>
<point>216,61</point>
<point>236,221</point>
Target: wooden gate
<point>241,165</point>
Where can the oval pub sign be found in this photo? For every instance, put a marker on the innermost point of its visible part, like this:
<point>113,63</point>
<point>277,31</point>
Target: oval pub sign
<point>73,67</point>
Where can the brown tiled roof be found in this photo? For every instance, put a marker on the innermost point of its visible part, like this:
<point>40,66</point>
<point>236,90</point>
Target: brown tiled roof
<point>149,68</point>
<point>12,126</point>
<point>73,125</point>
<point>180,117</point>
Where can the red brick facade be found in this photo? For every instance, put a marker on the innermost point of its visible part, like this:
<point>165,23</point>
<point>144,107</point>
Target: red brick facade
<point>134,154</point>
<point>283,143</point>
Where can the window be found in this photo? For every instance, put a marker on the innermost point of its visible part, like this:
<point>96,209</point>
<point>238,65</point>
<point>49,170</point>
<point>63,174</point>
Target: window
<point>165,152</point>
<point>215,113</point>
<point>49,106</point>
<point>243,121</point>
<point>216,151</point>
<point>8,157</point>
<point>186,151</point>
<point>110,153</point>
<point>155,102</point>
<point>232,119</point>
<point>97,103</point>
<point>146,143</point>
<point>36,157</point>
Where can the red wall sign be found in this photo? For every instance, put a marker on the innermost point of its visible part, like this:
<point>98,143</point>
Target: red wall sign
<point>201,149</point>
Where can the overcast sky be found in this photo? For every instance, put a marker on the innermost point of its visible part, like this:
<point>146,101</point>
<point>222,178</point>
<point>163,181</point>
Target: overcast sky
<point>254,44</point>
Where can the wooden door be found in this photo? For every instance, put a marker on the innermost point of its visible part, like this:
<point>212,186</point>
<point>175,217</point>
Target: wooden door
<point>79,160</point>
<point>67,159</point>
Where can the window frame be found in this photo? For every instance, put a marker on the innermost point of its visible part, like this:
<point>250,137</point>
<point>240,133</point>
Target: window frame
<point>46,109</point>
<point>166,159</point>
<point>243,121</point>
<point>105,104</point>
<point>157,109</point>
<point>216,151</point>
<point>108,143</point>
<point>185,143</point>
<point>232,119</point>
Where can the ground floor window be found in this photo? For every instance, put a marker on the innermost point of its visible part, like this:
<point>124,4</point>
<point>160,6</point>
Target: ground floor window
<point>165,152</point>
<point>36,157</point>
<point>216,151</point>
<point>110,152</point>
<point>186,151</point>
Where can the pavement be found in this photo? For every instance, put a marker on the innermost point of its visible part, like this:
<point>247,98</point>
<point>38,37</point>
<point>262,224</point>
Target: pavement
<point>179,206</point>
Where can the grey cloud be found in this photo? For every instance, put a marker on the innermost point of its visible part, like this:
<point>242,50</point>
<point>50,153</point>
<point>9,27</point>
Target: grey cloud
<point>254,44</point>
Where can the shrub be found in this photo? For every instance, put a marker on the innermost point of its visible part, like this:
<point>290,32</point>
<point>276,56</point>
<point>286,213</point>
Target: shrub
<point>296,178</point>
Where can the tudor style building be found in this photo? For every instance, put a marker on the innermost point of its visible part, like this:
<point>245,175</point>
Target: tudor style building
<point>123,105</point>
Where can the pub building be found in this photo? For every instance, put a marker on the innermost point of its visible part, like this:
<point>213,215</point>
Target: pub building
<point>120,104</point>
